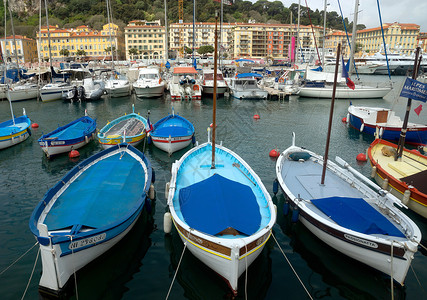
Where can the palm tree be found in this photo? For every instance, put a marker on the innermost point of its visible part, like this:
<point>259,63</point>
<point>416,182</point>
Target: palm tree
<point>133,52</point>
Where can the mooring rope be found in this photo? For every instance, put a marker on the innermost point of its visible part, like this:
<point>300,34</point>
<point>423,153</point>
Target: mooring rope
<point>293,270</point>
<point>32,273</point>
<point>391,271</point>
<point>177,268</point>
<point>74,267</point>
<point>418,280</point>
<point>18,259</point>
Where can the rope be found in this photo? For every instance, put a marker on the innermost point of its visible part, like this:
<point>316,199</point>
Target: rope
<point>74,268</point>
<point>416,277</point>
<point>19,258</point>
<point>391,271</point>
<point>293,270</point>
<point>177,268</point>
<point>32,273</point>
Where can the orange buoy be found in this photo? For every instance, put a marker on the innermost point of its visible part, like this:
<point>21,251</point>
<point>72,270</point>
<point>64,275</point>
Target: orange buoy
<point>274,153</point>
<point>344,120</point>
<point>34,125</point>
<point>361,157</point>
<point>73,154</point>
<point>256,117</point>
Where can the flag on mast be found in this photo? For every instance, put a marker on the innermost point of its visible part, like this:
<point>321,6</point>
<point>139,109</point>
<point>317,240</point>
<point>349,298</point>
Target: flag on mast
<point>348,81</point>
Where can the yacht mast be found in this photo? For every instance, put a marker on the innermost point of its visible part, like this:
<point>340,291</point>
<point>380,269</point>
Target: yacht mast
<point>353,39</point>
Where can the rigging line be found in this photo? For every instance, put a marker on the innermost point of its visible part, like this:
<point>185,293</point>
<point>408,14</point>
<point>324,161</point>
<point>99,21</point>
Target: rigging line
<point>312,30</point>
<point>293,270</point>
<point>385,47</point>
<point>19,258</point>
<point>416,277</point>
<point>177,269</point>
<point>31,276</point>
<point>74,267</point>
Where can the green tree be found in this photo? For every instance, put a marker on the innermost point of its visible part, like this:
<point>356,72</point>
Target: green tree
<point>206,49</point>
<point>64,52</point>
<point>80,52</point>
<point>133,52</point>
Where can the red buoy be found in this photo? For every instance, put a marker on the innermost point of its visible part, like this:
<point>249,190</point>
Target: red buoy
<point>256,117</point>
<point>344,120</point>
<point>274,153</point>
<point>361,157</point>
<point>73,154</point>
<point>34,125</point>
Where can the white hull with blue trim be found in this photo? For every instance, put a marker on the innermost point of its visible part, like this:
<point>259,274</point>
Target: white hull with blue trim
<point>15,131</point>
<point>172,133</point>
<point>71,136</point>
<point>224,215</point>
<point>54,91</point>
<point>89,211</point>
<point>348,212</point>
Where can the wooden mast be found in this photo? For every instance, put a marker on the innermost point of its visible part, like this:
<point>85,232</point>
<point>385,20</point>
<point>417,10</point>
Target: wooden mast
<point>402,137</point>
<point>214,91</point>
<point>331,114</point>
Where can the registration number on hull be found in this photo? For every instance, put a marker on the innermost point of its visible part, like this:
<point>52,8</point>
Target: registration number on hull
<point>86,242</point>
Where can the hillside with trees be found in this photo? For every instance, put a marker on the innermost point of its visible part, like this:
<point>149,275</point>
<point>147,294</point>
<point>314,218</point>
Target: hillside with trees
<point>73,13</point>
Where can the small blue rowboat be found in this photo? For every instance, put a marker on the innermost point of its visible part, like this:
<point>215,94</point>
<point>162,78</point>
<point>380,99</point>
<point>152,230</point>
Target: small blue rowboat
<point>14,131</point>
<point>89,210</point>
<point>69,137</point>
<point>132,126</point>
<point>172,133</point>
<point>223,214</point>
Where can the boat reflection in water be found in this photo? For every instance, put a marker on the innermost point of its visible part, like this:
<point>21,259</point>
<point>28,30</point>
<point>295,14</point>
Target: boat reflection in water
<point>340,276</point>
<point>107,276</point>
<point>200,282</point>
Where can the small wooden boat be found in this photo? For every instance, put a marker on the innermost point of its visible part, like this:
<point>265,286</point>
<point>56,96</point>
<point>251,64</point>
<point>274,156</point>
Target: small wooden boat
<point>172,133</point>
<point>219,206</point>
<point>406,177</point>
<point>133,126</point>
<point>224,214</point>
<point>348,211</point>
<point>14,131</point>
<point>384,123</point>
<point>90,210</point>
<point>69,137</point>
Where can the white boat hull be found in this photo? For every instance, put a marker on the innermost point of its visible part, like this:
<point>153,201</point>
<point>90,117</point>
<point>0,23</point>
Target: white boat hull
<point>122,91</point>
<point>149,91</point>
<point>22,94</point>
<point>53,94</point>
<point>346,93</point>
<point>173,144</point>
<point>210,90</point>
<point>15,139</point>
<point>67,265</point>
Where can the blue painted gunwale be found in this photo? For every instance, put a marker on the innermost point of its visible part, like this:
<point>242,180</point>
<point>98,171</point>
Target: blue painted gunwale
<point>113,230</point>
<point>89,130</point>
<point>166,122</point>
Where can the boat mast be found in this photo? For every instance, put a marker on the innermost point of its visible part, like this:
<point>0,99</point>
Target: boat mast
<point>214,91</point>
<point>166,31</point>
<point>109,32</point>
<point>324,35</point>
<point>48,39</point>
<point>331,114</point>
<point>14,43</point>
<point>299,12</point>
<point>402,137</point>
<point>353,38</point>
<point>4,62</point>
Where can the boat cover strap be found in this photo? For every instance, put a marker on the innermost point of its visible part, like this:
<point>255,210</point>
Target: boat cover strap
<point>356,214</point>
<point>217,203</point>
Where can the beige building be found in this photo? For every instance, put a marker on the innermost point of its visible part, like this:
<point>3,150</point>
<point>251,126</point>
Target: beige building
<point>333,38</point>
<point>398,37</point>
<point>95,44</point>
<point>26,49</point>
<point>147,39</point>
<point>422,42</point>
<point>182,33</point>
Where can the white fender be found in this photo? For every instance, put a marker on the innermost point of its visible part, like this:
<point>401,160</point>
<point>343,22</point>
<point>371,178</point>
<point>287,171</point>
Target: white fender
<point>167,222</point>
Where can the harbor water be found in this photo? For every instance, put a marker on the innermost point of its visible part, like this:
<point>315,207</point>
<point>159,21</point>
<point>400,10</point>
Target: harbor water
<point>143,265</point>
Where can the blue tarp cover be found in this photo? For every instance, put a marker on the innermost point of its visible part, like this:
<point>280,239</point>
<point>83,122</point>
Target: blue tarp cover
<point>218,203</point>
<point>356,214</point>
<point>243,75</point>
<point>174,126</point>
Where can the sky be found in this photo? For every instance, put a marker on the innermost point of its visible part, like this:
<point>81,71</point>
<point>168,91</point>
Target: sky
<point>402,11</point>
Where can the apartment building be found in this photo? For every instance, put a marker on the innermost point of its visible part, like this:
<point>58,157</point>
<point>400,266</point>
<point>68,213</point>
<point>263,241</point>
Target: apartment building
<point>146,39</point>
<point>422,42</point>
<point>399,37</point>
<point>181,34</point>
<point>81,42</point>
<point>334,37</point>
<point>26,49</point>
